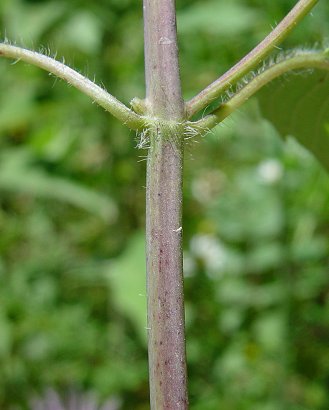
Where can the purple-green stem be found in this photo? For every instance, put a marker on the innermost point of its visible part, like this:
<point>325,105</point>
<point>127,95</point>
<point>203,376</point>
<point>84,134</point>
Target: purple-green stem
<point>164,254</point>
<point>165,296</point>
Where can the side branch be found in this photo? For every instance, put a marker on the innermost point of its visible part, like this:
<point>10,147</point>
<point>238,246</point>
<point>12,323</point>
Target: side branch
<point>251,60</point>
<point>102,97</point>
<point>305,60</point>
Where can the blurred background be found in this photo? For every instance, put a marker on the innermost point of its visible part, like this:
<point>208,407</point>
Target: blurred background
<point>72,187</point>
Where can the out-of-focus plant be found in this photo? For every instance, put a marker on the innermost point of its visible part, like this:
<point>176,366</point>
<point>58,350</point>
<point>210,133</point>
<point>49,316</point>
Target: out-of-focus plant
<point>75,401</point>
<point>164,121</point>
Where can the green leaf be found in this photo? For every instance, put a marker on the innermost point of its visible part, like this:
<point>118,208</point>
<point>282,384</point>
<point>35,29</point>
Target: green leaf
<point>30,22</point>
<point>298,106</point>
<point>82,32</point>
<point>18,174</point>
<point>219,18</point>
<point>127,277</point>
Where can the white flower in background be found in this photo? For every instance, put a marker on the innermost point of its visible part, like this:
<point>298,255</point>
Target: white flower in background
<point>270,171</point>
<point>209,249</point>
<point>208,185</point>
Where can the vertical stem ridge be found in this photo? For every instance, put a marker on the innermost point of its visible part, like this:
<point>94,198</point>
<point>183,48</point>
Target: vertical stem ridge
<point>166,341</point>
<point>163,87</point>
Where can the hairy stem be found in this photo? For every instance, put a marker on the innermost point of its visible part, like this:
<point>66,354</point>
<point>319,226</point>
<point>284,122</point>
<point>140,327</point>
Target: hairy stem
<point>167,365</point>
<point>251,60</point>
<point>102,97</point>
<point>317,60</point>
<point>164,102</point>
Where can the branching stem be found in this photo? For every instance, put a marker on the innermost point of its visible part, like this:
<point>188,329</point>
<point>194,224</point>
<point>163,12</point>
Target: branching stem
<point>102,97</point>
<point>303,60</point>
<point>163,117</point>
<point>251,60</point>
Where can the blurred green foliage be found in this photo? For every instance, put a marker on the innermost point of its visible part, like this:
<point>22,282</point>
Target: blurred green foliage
<point>256,219</point>
<point>299,106</point>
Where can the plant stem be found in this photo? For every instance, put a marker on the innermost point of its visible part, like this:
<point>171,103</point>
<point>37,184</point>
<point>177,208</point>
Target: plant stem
<point>251,60</point>
<point>163,87</point>
<point>302,60</point>
<point>167,365</point>
<point>166,337</point>
<point>102,97</point>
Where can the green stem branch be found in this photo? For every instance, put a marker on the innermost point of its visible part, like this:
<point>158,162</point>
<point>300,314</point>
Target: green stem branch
<point>313,60</point>
<point>100,96</point>
<point>251,60</point>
